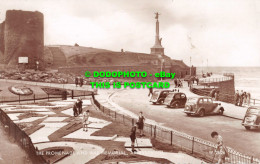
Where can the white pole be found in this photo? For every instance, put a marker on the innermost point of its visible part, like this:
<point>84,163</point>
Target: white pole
<point>161,67</point>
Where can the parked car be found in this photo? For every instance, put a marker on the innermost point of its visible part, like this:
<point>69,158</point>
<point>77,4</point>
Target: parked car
<point>175,100</point>
<point>252,118</point>
<point>159,96</point>
<point>201,106</point>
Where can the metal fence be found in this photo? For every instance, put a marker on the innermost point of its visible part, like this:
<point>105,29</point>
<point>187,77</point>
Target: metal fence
<point>198,147</point>
<point>37,97</point>
<point>21,138</point>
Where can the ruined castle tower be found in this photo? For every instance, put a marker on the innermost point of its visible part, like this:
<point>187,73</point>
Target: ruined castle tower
<point>21,35</point>
<point>157,49</point>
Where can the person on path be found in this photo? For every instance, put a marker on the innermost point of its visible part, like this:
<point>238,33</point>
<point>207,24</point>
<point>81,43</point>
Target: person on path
<point>221,150</point>
<point>216,95</point>
<point>237,98</point>
<point>81,81</point>
<point>212,93</point>
<point>75,109</point>
<point>241,98</point>
<point>175,82</point>
<point>141,123</point>
<point>79,103</point>
<point>76,81</point>
<point>150,91</point>
<point>179,83</point>
<point>86,115</point>
<point>248,98</point>
<point>197,80</point>
<point>245,98</point>
<point>133,138</point>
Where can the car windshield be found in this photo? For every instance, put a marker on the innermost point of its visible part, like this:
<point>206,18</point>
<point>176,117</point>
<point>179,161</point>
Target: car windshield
<point>253,111</point>
<point>194,100</point>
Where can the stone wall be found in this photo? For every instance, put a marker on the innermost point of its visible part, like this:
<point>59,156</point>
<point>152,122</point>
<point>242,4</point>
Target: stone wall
<point>23,37</point>
<point>225,87</point>
<point>2,47</point>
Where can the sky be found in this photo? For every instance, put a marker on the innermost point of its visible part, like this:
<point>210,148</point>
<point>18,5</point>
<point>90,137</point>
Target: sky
<point>222,32</point>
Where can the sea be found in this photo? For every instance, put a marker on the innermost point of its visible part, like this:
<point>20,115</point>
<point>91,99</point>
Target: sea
<point>246,78</point>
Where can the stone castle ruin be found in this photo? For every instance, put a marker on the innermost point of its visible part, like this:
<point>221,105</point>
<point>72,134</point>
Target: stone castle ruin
<point>22,35</point>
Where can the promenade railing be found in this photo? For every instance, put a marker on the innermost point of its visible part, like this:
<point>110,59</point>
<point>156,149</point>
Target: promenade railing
<point>21,138</point>
<point>40,97</point>
<point>199,147</point>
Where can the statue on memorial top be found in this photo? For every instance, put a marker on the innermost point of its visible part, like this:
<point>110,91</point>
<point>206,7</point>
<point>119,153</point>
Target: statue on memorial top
<point>156,15</point>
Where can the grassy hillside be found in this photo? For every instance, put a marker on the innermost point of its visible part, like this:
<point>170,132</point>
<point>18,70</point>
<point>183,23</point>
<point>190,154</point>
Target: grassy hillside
<point>62,55</point>
<point>80,56</point>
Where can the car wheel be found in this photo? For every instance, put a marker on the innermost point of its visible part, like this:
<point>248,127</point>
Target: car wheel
<point>221,112</point>
<point>202,113</point>
<point>160,102</point>
<point>247,127</point>
<point>188,114</point>
<point>154,103</point>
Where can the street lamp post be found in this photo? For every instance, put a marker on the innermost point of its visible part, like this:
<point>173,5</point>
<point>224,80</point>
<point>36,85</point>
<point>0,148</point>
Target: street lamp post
<point>162,61</point>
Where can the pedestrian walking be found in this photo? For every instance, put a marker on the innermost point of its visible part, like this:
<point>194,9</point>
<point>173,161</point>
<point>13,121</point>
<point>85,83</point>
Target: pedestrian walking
<point>241,98</point>
<point>197,80</point>
<point>189,82</point>
<point>175,82</point>
<point>237,98</point>
<point>76,81</point>
<point>221,151</point>
<point>179,83</point>
<point>133,138</point>
<point>86,115</point>
<point>212,93</point>
<point>248,98</point>
<point>79,103</point>
<point>140,123</point>
<point>245,98</point>
<point>81,81</point>
<point>75,109</point>
<point>216,95</point>
<point>150,91</point>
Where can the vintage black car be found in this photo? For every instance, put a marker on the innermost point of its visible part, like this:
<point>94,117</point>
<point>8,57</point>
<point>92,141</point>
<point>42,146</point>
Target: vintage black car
<point>159,96</point>
<point>252,118</point>
<point>175,100</point>
<point>201,106</point>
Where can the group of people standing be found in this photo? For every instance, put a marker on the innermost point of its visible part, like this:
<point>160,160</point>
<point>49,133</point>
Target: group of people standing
<point>77,110</point>
<point>192,80</point>
<point>140,125</point>
<point>221,151</point>
<point>77,107</point>
<point>242,98</point>
<point>79,81</point>
<point>178,83</point>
